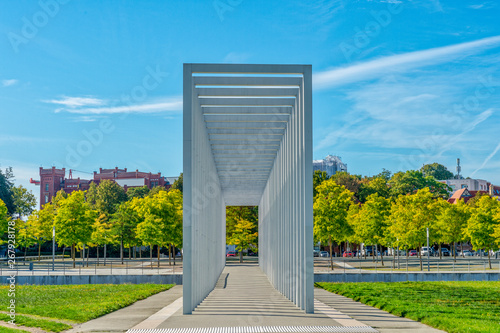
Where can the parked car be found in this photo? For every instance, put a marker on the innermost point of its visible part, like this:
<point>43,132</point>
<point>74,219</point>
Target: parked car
<point>413,253</point>
<point>348,254</point>
<point>466,253</point>
<point>231,254</point>
<point>315,253</point>
<point>426,251</point>
<point>252,254</point>
<point>367,250</point>
<point>324,254</point>
<point>481,253</point>
<point>444,252</point>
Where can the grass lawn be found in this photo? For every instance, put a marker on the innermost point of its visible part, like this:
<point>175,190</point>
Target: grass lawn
<point>11,330</point>
<point>73,303</point>
<point>472,306</point>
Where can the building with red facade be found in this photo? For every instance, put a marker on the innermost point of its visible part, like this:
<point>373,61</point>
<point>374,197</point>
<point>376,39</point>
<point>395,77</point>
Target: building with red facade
<point>53,180</point>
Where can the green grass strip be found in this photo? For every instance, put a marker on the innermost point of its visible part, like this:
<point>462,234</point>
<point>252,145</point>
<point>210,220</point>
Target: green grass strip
<point>78,303</point>
<point>471,306</point>
<point>46,325</point>
<point>11,330</point>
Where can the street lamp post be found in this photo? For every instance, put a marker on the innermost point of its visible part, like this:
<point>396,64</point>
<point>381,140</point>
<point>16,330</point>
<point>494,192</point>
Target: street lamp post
<point>53,247</point>
<point>428,251</point>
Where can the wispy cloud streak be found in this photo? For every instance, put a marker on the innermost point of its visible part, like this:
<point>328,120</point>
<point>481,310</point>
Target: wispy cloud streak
<point>93,106</point>
<point>10,82</point>
<point>370,69</point>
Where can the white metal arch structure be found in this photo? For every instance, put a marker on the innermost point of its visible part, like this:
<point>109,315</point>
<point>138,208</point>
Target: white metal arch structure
<point>248,142</point>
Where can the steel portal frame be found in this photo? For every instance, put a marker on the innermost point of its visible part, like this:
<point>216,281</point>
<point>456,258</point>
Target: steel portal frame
<point>247,142</point>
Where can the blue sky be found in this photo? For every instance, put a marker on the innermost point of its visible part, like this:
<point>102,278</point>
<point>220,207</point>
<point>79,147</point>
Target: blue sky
<point>87,84</point>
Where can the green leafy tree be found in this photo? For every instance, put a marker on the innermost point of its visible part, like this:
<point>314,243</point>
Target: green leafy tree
<point>385,174</point>
<point>244,235</point>
<point>109,196</point>
<point>179,183</point>
<point>4,218</point>
<point>24,234</point>
<point>318,178</point>
<point>105,199</point>
<point>369,223</point>
<point>91,195</point>
<point>6,185</point>
<point>42,222</point>
<point>482,223</point>
<point>124,223</point>
<point>350,182</point>
<point>137,192</point>
<point>331,205</point>
<point>411,181</point>
<point>102,234</point>
<point>73,221</point>
<point>452,221</point>
<point>24,201</point>
<point>410,216</point>
<point>162,219</point>
<point>236,213</point>
<point>371,186</point>
<point>436,170</point>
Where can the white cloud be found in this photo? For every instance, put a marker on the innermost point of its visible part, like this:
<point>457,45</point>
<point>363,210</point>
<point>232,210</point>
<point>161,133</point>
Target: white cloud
<point>401,62</point>
<point>75,102</point>
<point>488,158</point>
<point>92,106</point>
<point>9,82</point>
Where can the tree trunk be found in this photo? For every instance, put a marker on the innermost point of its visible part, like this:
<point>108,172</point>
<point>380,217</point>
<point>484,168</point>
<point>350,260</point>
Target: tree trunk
<point>97,254</point>
<point>170,254</point>
<point>39,250</point>
<point>174,253</point>
<point>454,251</point>
<point>129,253</point>
<point>489,259</point>
<point>420,255</point>
<point>364,250</point>
<point>121,249</point>
<point>73,254</point>
<point>330,248</point>
<point>140,252</point>
<point>88,255</point>
<point>381,255</point>
<point>151,254</point>
<point>440,254</point>
<point>135,252</point>
<point>64,249</point>
<point>158,255</point>
<point>241,255</point>
<point>104,254</point>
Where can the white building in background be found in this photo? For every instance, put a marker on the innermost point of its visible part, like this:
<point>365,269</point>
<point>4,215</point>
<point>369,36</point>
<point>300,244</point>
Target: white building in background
<point>470,184</point>
<point>331,164</point>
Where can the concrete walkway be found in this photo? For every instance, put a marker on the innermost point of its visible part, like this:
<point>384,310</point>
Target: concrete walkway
<point>245,301</point>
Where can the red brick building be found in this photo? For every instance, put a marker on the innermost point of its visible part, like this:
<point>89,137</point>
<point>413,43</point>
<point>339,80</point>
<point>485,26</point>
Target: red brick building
<point>53,180</point>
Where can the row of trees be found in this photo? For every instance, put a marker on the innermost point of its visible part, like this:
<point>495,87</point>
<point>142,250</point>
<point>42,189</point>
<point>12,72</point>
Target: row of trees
<point>395,212</point>
<point>104,215</point>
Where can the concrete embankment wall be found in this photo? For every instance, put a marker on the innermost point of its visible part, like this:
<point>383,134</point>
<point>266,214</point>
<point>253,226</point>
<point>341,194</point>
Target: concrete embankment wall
<point>318,277</point>
<point>401,277</point>
<point>96,279</point>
